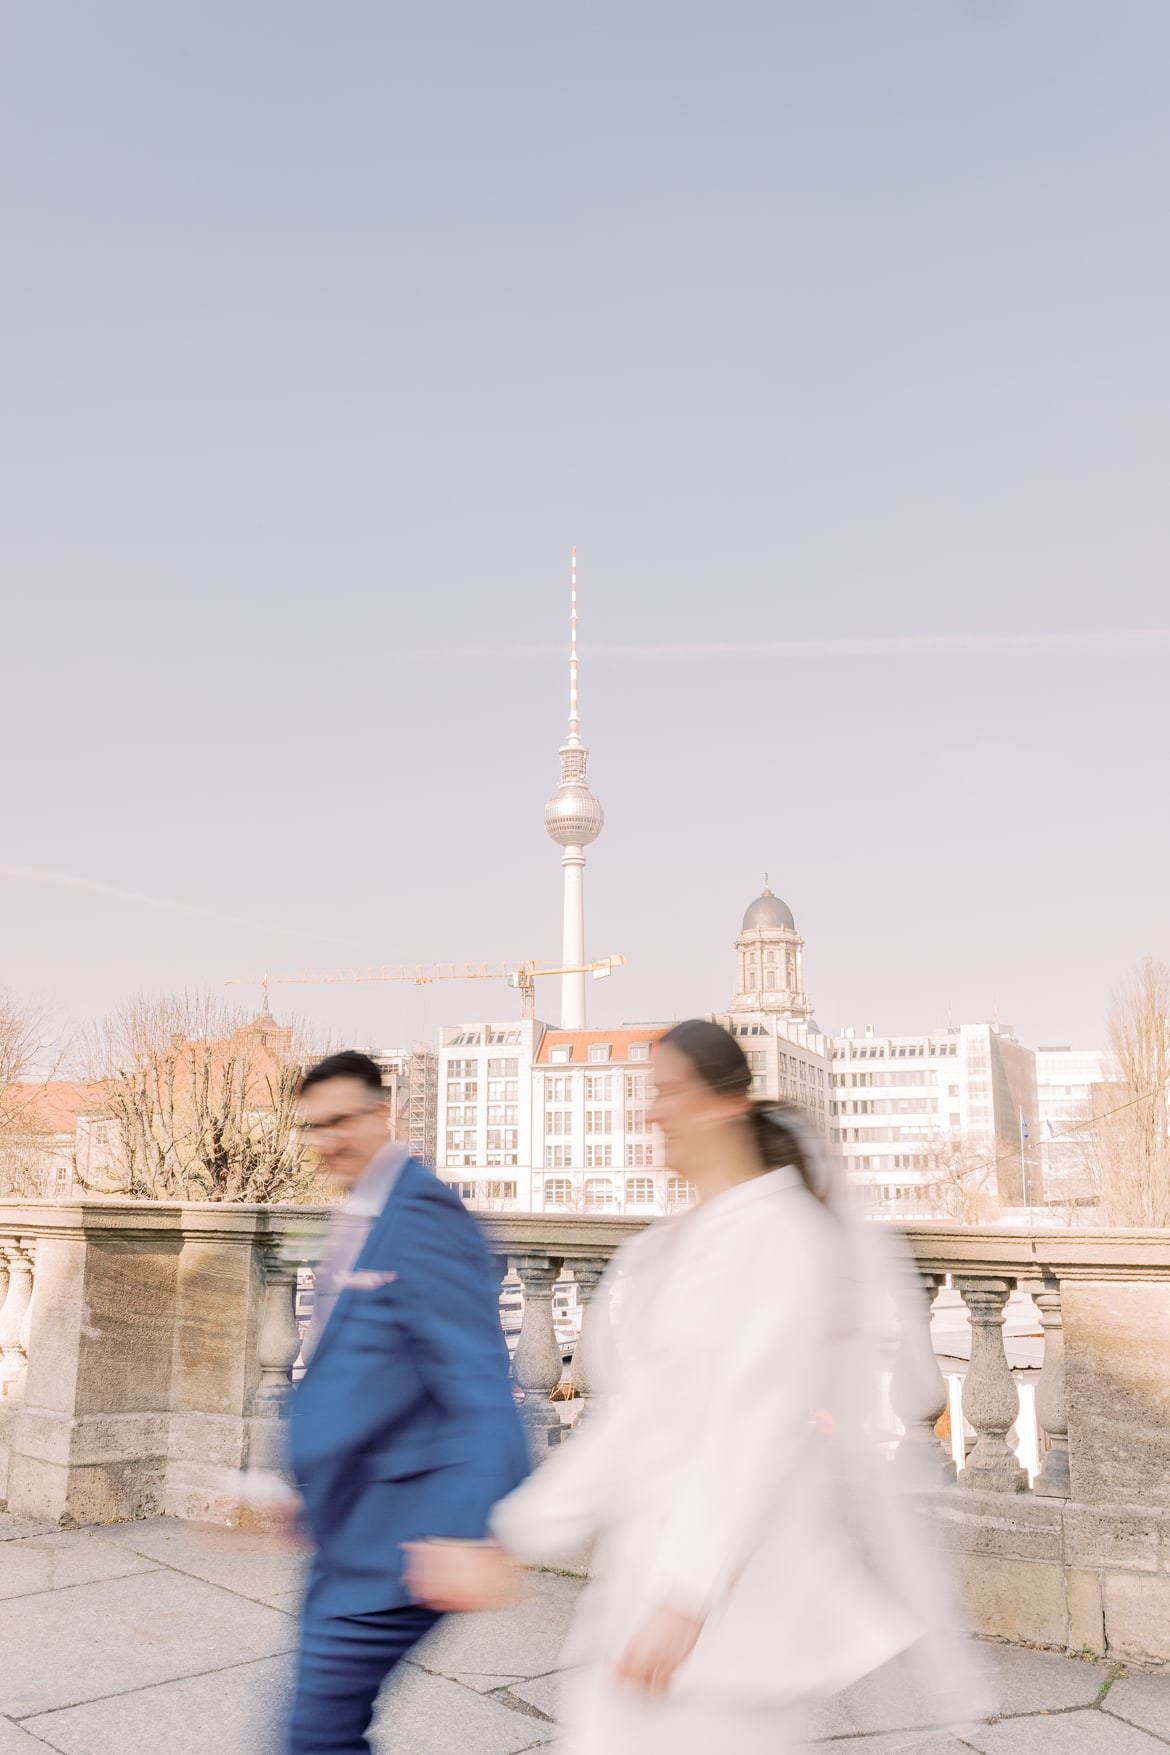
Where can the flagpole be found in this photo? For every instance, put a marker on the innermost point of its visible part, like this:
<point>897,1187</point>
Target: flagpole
<point>1024,1190</point>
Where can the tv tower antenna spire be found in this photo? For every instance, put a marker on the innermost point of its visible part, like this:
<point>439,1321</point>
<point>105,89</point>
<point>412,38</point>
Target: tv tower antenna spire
<point>574,818</point>
<point>574,726</point>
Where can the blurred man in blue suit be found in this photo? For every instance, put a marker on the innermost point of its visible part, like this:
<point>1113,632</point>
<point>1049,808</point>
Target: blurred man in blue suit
<point>403,1427</point>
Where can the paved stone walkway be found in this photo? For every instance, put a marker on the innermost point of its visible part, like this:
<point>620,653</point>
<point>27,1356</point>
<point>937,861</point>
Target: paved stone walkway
<point>174,1639</point>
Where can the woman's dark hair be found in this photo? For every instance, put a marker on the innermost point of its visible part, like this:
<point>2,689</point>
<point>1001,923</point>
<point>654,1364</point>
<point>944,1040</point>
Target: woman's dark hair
<point>722,1065</point>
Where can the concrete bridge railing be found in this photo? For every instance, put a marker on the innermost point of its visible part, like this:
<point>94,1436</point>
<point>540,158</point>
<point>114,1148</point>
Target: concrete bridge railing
<point>148,1348</point>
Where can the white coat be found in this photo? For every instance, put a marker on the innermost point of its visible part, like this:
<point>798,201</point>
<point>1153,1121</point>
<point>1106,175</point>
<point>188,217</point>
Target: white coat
<point>712,1478</point>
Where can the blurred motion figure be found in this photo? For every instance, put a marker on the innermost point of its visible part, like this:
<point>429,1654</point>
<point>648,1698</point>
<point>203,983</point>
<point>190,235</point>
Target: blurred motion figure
<point>403,1426</point>
<point>750,1557</point>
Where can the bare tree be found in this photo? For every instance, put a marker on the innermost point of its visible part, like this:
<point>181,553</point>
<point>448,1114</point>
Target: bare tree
<point>199,1102</point>
<point>25,1138</point>
<point>964,1173</point>
<point>1131,1121</point>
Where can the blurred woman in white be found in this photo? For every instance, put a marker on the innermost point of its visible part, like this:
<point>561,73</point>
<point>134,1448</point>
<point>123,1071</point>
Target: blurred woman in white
<point>744,1563</point>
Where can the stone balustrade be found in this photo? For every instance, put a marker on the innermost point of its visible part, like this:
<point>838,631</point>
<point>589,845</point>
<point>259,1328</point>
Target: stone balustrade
<point>146,1349</point>
<point>539,1248</point>
<point>1081,1559</point>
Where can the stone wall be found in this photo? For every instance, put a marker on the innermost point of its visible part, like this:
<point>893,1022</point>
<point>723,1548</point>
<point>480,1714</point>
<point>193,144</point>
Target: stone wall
<point>146,1350</point>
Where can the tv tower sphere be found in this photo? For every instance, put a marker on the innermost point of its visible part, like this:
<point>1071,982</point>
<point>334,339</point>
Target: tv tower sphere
<point>572,816</point>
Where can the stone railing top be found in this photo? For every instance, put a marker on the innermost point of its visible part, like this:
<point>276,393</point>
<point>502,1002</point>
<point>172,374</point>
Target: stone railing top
<point>117,1216</point>
<point>1060,1254</point>
<point>559,1234</point>
<point>1019,1253</point>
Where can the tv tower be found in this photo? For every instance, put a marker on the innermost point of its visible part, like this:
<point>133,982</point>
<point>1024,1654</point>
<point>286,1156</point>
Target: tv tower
<point>573,817</point>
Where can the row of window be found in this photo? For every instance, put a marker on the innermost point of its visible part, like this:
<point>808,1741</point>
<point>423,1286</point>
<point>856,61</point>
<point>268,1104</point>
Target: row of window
<point>891,1161</point>
<point>558,1122</point>
<point>920,1194</point>
<point>907,1051</point>
<point>599,1156</point>
<point>496,1069</point>
<point>599,1052</point>
<point>885,1106</point>
<point>488,1038</point>
<point>499,1139</point>
<point>599,1087</point>
<point>848,1135</point>
<point>466,1114</point>
<point>467,1091</point>
<point>484,1190</point>
<point>602,1191</point>
<point>924,1075</point>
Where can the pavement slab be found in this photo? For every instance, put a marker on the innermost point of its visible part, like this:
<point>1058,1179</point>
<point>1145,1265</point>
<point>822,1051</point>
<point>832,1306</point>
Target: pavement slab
<point>15,1741</point>
<point>64,1647</point>
<point>899,1743</point>
<point>14,1529</point>
<point>543,1692</point>
<point>484,1684</point>
<point>1143,1701</point>
<point>1023,1680</point>
<point>237,1711</point>
<point>526,1639</point>
<point>1063,1733</point>
<point>172,1639</point>
<point>253,1563</point>
<point>421,1714</point>
<point>64,1557</point>
<point>898,1697</point>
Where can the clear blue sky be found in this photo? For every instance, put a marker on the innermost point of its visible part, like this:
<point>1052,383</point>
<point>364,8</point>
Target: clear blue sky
<point>329,329</point>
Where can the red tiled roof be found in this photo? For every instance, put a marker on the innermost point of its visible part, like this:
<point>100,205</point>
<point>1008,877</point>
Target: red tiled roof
<point>580,1042</point>
<point>53,1107</point>
<point>56,1106</point>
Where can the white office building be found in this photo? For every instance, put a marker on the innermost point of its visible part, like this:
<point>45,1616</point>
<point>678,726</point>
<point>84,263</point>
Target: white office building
<point>1068,1086</point>
<point>931,1125</point>
<point>535,1120</point>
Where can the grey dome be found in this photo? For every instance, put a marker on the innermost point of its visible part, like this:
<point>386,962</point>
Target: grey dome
<point>768,910</point>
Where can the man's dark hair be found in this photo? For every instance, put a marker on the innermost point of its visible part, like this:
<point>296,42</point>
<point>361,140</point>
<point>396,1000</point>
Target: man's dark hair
<point>349,1064</point>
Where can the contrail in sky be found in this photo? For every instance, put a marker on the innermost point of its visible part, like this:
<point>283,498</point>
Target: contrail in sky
<point>70,881</point>
<point>859,646</point>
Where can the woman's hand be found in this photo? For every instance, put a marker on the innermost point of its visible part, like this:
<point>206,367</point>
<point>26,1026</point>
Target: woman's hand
<point>456,1577</point>
<point>654,1652</point>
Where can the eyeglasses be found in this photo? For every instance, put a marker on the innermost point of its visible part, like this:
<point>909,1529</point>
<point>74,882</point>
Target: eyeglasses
<point>309,1128</point>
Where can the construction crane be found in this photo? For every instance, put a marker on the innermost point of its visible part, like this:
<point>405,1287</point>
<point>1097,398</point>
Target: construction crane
<point>522,976</point>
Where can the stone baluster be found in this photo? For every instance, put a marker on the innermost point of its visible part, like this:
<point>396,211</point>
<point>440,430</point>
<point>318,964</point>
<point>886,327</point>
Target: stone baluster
<point>990,1401</point>
<point>14,1320</point>
<point>1051,1399</point>
<point>918,1390</point>
<point>500,1270</point>
<point>278,1344</point>
<point>536,1363</point>
<point>587,1271</point>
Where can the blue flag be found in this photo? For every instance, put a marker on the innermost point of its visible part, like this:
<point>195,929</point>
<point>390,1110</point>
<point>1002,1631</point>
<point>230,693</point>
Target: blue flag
<point>1023,1126</point>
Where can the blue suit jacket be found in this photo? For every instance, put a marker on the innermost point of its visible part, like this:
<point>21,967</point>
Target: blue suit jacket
<point>403,1425</point>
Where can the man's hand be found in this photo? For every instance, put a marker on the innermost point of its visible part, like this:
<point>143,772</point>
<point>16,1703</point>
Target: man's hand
<point>265,1501</point>
<point>458,1577</point>
<point>654,1652</point>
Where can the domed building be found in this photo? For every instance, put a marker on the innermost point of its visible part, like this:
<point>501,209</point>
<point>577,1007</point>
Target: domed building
<point>771,1014</point>
<point>770,953</point>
